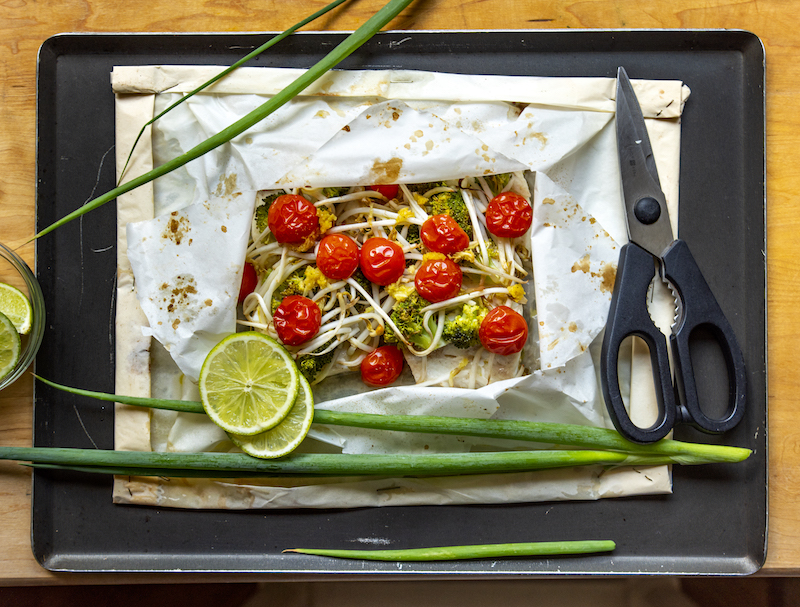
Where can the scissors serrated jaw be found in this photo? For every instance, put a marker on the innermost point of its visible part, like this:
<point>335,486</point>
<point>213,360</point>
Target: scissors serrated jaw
<point>645,205</point>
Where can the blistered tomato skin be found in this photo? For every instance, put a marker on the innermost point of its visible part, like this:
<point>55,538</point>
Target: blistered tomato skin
<point>382,261</point>
<point>503,331</point>
<point>297,320</point>
<point>292,219</point>
<point>508,215</point>
<point>249,282</point>
<point>390,191</point>
<point>337,256</point>
<point>438,280</point>
<point>442,234</point>
<point>382,367</point>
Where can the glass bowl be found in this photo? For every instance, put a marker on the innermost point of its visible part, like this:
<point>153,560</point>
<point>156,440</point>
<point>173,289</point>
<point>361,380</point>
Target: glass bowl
<point>15,272</point>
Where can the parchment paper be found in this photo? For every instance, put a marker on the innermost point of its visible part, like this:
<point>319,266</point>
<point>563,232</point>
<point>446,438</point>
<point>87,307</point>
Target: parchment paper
<point>359,128</point>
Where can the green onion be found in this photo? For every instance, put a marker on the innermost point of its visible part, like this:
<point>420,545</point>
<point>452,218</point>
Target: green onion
<point>540,432</point>
<point>328,464</point>
<point>348,46</point>
<point>270,43</point>
<point>480,551</point>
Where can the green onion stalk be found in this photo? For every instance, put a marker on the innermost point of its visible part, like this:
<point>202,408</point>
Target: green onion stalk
<point>480,551</point>
<point>343,50</point>
<point>586,437</point>
<point>214,465</point>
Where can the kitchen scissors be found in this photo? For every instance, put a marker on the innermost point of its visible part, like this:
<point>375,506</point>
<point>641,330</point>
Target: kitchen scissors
<point>652,246</point>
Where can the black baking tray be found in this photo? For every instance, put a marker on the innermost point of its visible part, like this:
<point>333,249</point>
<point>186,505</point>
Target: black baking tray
<point>715,521</point>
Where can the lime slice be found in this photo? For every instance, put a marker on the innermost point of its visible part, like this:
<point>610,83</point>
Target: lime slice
<point>16,307</point>
<point>287,435</point>
<point>9,346</point>
<point>248,383</point>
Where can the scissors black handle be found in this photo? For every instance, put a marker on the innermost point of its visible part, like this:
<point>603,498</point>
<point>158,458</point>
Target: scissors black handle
<point>701,310</point>
<point>629,316</point>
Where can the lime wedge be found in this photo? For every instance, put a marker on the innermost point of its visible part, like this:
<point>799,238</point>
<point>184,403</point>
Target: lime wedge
<point>16,307</point>
<point>248,383</point>
<point>287,435</point>
<point>9,346</point>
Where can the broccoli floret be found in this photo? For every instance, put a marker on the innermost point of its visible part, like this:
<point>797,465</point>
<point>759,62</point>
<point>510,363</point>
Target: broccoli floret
<point>452,203</point>
<point>295,284</point>
<point>496,183</point>
<point>334,192</point>
<point>462,330</point>
<point>313,363</point>
<point>412,235</point>
<point>362,280</point>
<point>406,315</point>
<point>262,210</point>
<point>421,188</point>
<point>303,281</point>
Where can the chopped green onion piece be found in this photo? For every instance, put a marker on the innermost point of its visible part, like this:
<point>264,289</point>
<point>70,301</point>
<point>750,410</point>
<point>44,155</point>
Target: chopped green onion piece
<point>343,50</point>
<point>480,551</point>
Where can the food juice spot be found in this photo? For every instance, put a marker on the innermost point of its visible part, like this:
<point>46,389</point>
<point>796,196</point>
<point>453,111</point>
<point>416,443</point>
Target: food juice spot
<point>386,172</point>
<point>581,265</point>
<point>608,272</point>
<point>177,228</point>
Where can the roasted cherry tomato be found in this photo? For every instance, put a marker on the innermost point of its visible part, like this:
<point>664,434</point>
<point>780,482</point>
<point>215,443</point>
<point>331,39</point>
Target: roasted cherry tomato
<point>249,282</point>
<point>382,366</point>
<point>442,234</point>
<point>292,219</point>
<point>337,256</point>
<point>390,191</point>
<point>297,320</point>
<point>382,261</point>
<point>503,331</point>
<point>438,279</point>
<point>508,215</point>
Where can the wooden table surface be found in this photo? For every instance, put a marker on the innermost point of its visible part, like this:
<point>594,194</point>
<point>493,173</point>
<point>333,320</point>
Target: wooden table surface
<point>25,25</point>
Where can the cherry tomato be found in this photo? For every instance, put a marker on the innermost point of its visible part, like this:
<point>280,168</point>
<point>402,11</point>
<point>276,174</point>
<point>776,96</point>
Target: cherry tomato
<point>382,261</point>
<point>383,366</point>
<point>297,320</point>
<point>438,279</point>
<point>337,256</point>
<point>390,191</point>
<point>292,219</point>
<point>249,282</point>
<point>503,331</point>
<point>441,233</point>
<point>508,215</point>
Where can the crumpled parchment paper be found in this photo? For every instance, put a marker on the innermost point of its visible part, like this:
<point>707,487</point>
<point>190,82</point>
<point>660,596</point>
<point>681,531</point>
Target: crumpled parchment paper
<point>383,127</point>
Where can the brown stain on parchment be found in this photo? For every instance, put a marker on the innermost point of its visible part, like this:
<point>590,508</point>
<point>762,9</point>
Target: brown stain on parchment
<point>178,297</point>
<point>386,172</point>
<point>582,265</point>
<point>177,228</point>
<point>227,185</point>
<point>607,273</point>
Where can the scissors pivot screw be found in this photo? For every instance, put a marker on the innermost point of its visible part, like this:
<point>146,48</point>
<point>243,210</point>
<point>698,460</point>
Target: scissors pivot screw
<point>647,210</point>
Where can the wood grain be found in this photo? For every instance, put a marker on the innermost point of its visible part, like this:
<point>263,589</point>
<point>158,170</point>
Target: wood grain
<point>25,24</point>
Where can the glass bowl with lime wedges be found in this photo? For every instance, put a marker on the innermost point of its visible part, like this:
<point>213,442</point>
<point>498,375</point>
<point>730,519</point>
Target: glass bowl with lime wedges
<point>21,316</point>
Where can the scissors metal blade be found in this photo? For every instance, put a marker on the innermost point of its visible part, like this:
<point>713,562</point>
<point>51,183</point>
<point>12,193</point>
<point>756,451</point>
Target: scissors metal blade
<point>645,205</point>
